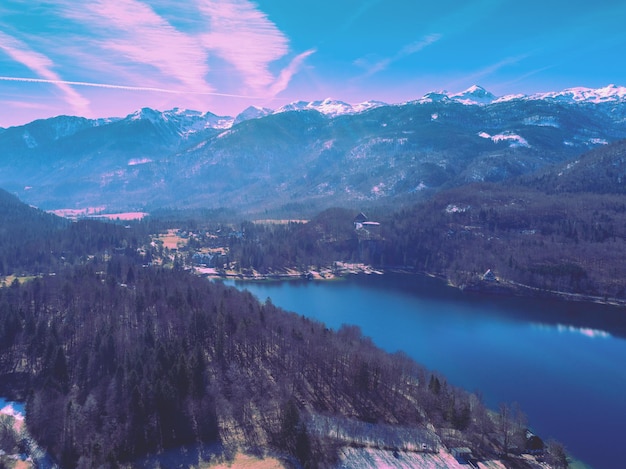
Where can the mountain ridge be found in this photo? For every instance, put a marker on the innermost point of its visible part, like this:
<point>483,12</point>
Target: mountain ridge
<point>152,159</point>
<point>475,95</point>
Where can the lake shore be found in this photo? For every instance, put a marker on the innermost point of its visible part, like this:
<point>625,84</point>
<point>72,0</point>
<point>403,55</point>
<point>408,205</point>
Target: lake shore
<point>337,271</point>
<point>496,287</point>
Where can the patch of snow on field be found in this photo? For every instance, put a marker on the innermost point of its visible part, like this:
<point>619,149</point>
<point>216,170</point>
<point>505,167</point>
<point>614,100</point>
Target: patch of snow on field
<point>367,458</point>
<point>514,140</point>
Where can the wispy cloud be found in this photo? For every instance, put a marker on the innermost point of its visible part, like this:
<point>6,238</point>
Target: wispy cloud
<point>132,30</point>
<point>143,49</point>
<point>125,87</point>
<point>288,72</point>
<point>163,52</point>
<point>243,36</point>
<point>406,51</point>
<point>358,13</point>
<point>489,70</point>
<point>42,66</point>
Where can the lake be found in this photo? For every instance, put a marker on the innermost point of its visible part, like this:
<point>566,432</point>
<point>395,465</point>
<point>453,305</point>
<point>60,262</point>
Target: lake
<point>564,363</point>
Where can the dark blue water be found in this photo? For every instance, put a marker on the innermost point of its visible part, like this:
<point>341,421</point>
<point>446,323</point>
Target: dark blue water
<point>564,363</point>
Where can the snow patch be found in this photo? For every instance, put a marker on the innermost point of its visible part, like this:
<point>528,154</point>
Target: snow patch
<point>542,121</point>
<point>452,208</point>
<point>225,134</point>
<point>514,139</point>
<point>137,161</point>
<point>378,190</point>
<point>327,145</point>
<point>420,187</point>
<point>29,140</point>
<point>568,167</point>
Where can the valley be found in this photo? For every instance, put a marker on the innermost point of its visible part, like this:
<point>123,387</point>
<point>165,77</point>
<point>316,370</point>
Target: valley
<point>122,351</point>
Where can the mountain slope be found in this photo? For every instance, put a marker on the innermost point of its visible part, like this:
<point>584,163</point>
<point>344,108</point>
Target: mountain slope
<point>602,171</point>
<point>317,154</point>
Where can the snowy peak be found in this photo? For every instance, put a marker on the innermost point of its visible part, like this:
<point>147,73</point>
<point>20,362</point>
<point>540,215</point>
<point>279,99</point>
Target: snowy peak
<point>146,113</point>
<point>610,93</point>
<point>252,112</point>
<point>330,107</point>
<point>367,105</point>
<point>183,121</point>
<point>433,97</point>
<point>474,95</point>
<point>477,95</point>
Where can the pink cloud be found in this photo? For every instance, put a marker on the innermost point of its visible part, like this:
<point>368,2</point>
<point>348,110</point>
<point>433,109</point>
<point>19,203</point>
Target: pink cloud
<point>42,66</point>
<point>243,36</point>
<point>132,29</point>
<point>157,47</point>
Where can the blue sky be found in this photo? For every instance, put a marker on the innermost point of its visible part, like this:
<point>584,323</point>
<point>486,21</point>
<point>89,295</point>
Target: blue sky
<point>110,57</point>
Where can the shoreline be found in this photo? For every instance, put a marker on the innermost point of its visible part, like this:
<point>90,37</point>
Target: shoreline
<point>338,271</point>
<point>341,270</point>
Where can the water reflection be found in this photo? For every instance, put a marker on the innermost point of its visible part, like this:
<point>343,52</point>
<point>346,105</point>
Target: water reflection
<point>585,331</point>
<point>562,362</point>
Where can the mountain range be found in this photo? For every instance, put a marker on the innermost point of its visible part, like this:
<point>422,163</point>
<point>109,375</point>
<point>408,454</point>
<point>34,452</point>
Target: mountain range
<point>309,155</point>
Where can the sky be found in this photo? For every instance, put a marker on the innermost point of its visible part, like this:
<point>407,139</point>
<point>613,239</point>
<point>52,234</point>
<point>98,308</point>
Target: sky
<point>108,58</point>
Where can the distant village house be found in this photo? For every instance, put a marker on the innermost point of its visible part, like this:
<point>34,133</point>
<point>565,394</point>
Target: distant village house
<point>361,222</point>
<point>489,276</point>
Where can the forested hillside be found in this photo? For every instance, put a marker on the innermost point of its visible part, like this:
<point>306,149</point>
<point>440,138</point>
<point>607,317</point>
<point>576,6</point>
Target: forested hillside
<point>34,242</point>
<point>557,231</point>
<point>117,359</point>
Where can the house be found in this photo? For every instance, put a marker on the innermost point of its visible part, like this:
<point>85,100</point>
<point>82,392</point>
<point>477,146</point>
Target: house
<point>489,276</point>
<point>462,454</point>
<point>534,444</point>
<point>359,220</point>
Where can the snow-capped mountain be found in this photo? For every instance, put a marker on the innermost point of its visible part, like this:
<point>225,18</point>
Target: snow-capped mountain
<point>321,153</point>
<point>252,112</point>
<point>477,95</point>
<point>474,95</point>
<point>330,107</point>
<point>185,121</point>
<point>608,94</point>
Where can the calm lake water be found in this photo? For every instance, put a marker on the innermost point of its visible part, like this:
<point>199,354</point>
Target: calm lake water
<point>564,363</point>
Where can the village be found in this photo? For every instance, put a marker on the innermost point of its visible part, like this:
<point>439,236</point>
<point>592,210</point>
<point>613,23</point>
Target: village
<point>207,252</point>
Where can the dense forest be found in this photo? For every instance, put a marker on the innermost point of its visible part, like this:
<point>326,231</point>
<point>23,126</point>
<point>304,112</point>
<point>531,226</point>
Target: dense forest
<point>560,230</point>
<point>117,358</point>
<point>526,236</point>
<point>34,242</point>
<point>117,361</point>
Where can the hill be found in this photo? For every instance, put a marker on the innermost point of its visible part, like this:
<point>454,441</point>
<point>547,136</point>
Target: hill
<point>34,242</point>
<point>600,171</point>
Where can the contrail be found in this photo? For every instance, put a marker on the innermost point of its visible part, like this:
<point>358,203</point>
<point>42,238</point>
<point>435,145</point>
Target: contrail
<point>123,87</point>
